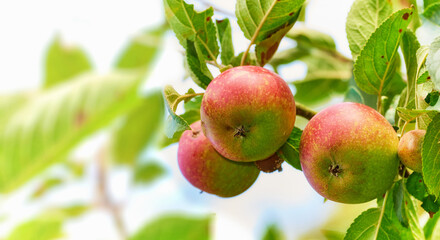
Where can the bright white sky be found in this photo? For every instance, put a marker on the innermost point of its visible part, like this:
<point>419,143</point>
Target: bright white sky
<point>102,28</point>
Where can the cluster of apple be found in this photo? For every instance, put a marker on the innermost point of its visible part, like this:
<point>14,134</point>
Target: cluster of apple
<point>348,152</point>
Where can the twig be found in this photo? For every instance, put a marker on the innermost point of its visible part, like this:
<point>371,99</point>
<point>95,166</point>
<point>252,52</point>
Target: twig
<point>304,111</point>
<point>104,197</point>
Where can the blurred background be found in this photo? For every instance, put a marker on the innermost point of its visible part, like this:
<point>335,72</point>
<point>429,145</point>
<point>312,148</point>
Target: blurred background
<point>82,149</point>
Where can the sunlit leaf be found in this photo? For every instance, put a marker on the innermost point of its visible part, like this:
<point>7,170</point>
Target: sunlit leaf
<point>432,13</point>
<point>64,62</point>
<point>431,156</point>
<point>176,227</point>
<point>433,62</point>
<point>273,233</point>
<point>376,64</point>
<point>225,36</point>
<point>363,19</point>
<point>45,130</point>
<point>139,128</point>
<point>148,172</point>
<point>432,227</point>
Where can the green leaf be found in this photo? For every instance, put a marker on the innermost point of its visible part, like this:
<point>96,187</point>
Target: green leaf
<point>265,17</point>
<point>432,98</point>
<point>430,204</point>
<point>176,124</point>
<point>411,210</point>
<point>273,233</point>
<point>41,228</point>
<point>250,59</point>
<point>139,128</point>
<point>376,64</point>
<point>288,56</point>
<point>311,92</point>
<point>399,203</point>
<point>412,114</point>
<point>426,3</point>
<point>289,152</point>
<point>409,46</point>
<point>363,19</point>
<point>193,26</point>
<point>225,36</point>
<point>46,185</point>
<point>10,104</point>
<point>46,129</point>
<point>196,65</point>
<point>416,187</point>
<point>432,227</point>
<point>176,227</point>
<point>142,49</point>
<point>310,38</point>
<point>147,173</point>
<point>366,225</point>
<point>431,157</point>
<point>433,62</point>
<point>424,78</point>
<point>64,62</point>
<point>353,95</point>
<point>432,13</point>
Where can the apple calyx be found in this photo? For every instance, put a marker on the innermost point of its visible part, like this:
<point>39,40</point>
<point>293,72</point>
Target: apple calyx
<point>335,170</point>
<point>240,132</point>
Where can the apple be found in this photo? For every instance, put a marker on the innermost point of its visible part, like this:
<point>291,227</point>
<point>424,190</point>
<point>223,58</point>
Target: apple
<point>271,164</point>
<point>348,153</point>
<point>410,149</point>
<point>247,113</point>
<point>207,170</point>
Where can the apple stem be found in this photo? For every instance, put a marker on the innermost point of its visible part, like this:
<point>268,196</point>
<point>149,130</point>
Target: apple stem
<point>304,111</point>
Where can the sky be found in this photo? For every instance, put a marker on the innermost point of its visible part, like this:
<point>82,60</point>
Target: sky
<point>102,29</point>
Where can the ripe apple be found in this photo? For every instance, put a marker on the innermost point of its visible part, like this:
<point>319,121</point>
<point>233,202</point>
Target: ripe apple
<point>348,153</point>
<point>247,113</point>
<point>410,149</point>
<point>207,170</point>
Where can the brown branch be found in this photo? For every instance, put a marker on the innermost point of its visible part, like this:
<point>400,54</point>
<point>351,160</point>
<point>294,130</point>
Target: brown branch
<point>104,198</point>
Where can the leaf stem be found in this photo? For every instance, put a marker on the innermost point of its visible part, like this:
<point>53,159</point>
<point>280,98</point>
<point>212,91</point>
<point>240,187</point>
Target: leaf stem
<point>257,31</point>
<point>304,111</point>
<point>183,97</point>
<point>382,213</point>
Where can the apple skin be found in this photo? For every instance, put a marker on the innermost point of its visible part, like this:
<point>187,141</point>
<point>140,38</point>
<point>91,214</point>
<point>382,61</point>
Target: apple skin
<point>247,113</point>
<point>348,153</point>
<point>410,149</point>
<point>207,170</point>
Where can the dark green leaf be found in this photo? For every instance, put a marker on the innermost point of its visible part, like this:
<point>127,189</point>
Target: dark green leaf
<point>176,227</point>
<point>273,233</point>
<point>148,173</point>
<point>250,59</point>
<point>363,19</point>
<point>139,128</point>
<point>416,187</point>
<point>288,56</point>
<point>431,156</point>
<point>426,3</point>
<point>399,203</point>
<point>376,64</point>
<point>432,13</point>
<point>333,235</point>
<point>64,62</point>
<point>225,37</point>
<point>196,65</point>
<point>289,152</point>
<point>411,210</point>
<point>312,92</point>
<point>433,61</point>
<point>432,98</point>
<point>272,15</point>
<point>142,49</point>
<point>430,204</point>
